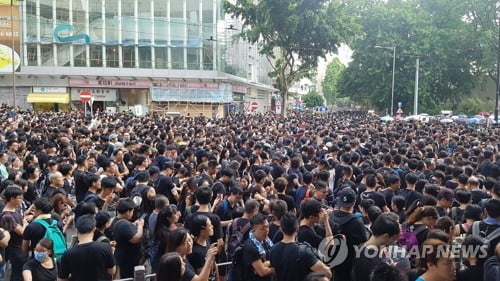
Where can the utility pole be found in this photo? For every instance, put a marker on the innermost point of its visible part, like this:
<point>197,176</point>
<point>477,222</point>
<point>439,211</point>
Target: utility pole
<point>498,75</point>
<point>393,73</point>
<point>415,102</point>
<point>13,53</point>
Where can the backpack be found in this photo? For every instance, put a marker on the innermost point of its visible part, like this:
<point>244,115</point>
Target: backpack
<point>408,238</point>
<point>78,209</point>
<point>235,237</point>
<point>485,238</point>
<point>53,233</point>
<point>137,198</point>
<point>457,215</point>
<point>237,260</point>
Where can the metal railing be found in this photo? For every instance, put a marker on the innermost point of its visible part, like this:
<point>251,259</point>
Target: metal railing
<point>140,273</point>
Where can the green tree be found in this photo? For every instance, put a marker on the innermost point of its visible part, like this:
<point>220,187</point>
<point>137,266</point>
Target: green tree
<point>332,77</point>
<point>312,100</point>
<point>434,31</point>
<point>292,34</point>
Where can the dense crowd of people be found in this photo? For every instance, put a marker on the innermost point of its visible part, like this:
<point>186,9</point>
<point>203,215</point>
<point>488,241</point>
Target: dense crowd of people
<point>332,196</point>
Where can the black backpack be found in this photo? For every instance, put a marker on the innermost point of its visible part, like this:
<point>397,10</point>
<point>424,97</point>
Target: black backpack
<point>235,237</point>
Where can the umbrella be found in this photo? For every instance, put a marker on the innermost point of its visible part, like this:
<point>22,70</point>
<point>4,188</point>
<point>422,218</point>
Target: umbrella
<point>386,119</point>
<point>446,120</point>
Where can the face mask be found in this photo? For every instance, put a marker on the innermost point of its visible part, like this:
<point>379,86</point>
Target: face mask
<point>40,256</point>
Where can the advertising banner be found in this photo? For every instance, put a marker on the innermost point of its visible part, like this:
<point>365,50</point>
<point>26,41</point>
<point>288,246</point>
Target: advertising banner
<point>9,36</point>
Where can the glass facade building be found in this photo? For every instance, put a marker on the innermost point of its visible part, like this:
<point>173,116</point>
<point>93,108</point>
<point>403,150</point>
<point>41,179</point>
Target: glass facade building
<point>149,34</point>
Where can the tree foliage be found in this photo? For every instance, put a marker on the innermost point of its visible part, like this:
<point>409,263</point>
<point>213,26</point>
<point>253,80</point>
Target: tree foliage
<point>332,77</point>
<point>312,100</point>
<point>434,31</point>
<point>292,34</point>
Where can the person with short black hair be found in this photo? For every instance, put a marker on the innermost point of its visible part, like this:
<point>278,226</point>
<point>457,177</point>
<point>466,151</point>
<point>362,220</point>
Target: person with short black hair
<point>12,221</point>
<point>256,264</point>
<point>489,224</point>
<point>88,260</point>
<point>313,214</point>
<point>35,232</point>
<point>385,230</point>
<point>293,261</point>
<point>128,238</point>
<point>372,193</point>
<point>385,272</point>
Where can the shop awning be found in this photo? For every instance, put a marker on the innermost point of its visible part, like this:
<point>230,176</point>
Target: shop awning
<point>48,98</point>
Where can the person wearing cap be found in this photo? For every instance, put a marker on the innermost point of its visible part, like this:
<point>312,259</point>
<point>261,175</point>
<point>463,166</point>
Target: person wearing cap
<point>343,221</point>
<point>128,237</point>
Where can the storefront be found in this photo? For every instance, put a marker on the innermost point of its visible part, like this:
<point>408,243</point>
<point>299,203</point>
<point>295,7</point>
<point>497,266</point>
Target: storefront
<point>111,94</point>
<point>49,99</point>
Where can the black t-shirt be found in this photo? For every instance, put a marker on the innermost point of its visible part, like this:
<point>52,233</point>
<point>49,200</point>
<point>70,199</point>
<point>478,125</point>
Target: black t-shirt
<point>35,232</point>
<point>410,196</point>
<point>40,273</point>
<point>289,263</point>
<point>197,256</point>
<point>80,187</point>
<point>470,273</point>
<point>388,194</point>
<point>441,211</point>
<point>375,196</point>
<point>123,232</point>
<point>251,254</point>
<point>273,228</point>
<point>164,186</point>
<point>14,247</point>
<point>87,262</point>
<point>309,235</point>
<point>364,264</point>
<point>189,274</point>
<point>290,202</point>
<point>451,185</point>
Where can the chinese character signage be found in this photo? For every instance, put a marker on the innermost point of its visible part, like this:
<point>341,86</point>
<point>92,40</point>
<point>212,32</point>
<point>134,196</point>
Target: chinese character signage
<point>9,36</point>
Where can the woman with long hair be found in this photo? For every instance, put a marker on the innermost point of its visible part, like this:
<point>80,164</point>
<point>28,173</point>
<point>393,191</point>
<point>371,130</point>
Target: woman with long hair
<point>166,223</point>
<point>180,241</point>
<point>171,267</point>
<point>421,220</point>
<point>42,266</point>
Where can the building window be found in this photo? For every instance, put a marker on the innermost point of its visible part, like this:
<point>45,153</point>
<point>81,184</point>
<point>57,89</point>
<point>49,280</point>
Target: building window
<point>177,58</point>
<point>128,57</point>
<point>47,54</point>
<point>32,54</point>
<point>95,55</point>
<point>161,58</point>
<point>145,57</point>
<point>193,58</point>
<point>112,59</point>
<point>63,57</point>
<point>80,55</point>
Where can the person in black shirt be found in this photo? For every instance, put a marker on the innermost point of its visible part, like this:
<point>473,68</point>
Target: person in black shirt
<point>256,264</point>
<point>291,261</point>
<point>14,222</point>
<point>385,230</point>
<point>278,209</point>
<point>477,194</point>
<point>475,263</point>
<point>201,229</point>
<point>42,266</point>
<point>313,213</point>
<point>227,206</point>
<point>180,241</point>
<point>393,183</point>
<point>280,186</point>
<point>409,193</point>
<point>89,260</point>
<point>172,267</point>
<point>34,232</point>
<point>128,238</point>
<point>445,200</point>
<point>344,222</point>
<point>164,182</point>
<point>371,193</point>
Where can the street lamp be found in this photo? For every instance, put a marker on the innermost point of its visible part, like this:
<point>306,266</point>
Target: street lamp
<point>393,73</point>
